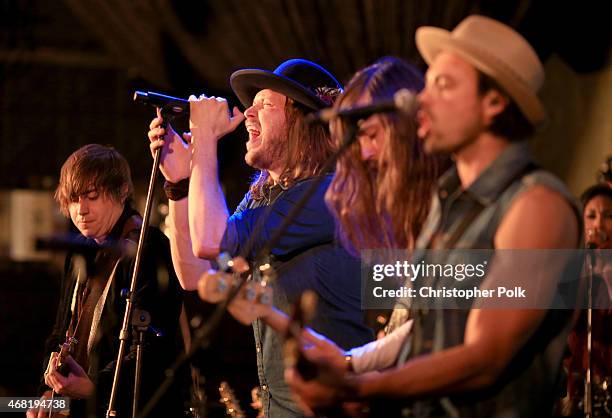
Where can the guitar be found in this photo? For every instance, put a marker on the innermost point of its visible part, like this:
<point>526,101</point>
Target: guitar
<point>66,349</point>
<point>232,406</point>
<point>253,301</point>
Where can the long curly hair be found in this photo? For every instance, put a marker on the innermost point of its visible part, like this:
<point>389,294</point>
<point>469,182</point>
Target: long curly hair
<point>382,203</point>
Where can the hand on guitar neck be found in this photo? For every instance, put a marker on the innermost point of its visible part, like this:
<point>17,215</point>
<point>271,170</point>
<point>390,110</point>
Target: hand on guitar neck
<point>58,366</point>
<point>66,378</point>
<point>308,355</point>
<point>76,384</point>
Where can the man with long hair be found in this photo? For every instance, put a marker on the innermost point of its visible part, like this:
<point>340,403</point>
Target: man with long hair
<point>381,190</point>
<point>289,153</point>
<point>479,104</point>
<point>95,192</point>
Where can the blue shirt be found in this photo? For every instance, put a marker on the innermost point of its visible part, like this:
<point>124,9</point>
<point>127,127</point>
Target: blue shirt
<point>306,257</point>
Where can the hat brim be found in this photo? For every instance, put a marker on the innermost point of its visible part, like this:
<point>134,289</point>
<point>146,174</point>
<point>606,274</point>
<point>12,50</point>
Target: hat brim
<point>431,40</point>
<point>248,82</point>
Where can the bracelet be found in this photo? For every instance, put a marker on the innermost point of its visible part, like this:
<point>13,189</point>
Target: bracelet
<point>178,190</point>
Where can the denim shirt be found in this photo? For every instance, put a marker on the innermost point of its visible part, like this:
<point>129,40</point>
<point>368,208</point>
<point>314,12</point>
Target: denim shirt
<point>526,387</point>
<point>306,257</point>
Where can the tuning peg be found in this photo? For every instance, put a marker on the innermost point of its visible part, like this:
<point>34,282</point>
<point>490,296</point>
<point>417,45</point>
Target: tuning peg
<point>222,285</point>
<point>224,261</point>
<point>266,297</point>
<point>268,273</point>
<point>249,292</point>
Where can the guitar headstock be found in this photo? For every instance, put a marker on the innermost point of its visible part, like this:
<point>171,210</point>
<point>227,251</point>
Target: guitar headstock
<point>232,406</point>
<point>253,300</point>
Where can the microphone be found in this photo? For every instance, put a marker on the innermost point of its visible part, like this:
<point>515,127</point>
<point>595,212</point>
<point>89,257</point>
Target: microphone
<point>596,238</point>
<point>69,242</point>
<point>403,101</point>
<point>174,105</point>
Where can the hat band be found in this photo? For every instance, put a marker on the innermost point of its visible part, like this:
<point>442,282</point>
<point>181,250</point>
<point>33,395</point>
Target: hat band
<point>327,95</point>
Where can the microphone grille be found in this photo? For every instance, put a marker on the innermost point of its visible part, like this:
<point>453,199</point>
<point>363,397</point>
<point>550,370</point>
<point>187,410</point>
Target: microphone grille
<point>405,101</point>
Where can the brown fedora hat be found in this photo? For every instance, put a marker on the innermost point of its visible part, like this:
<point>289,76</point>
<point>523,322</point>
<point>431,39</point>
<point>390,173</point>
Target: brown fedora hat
<point>498,51</point>
<point>304,81</point>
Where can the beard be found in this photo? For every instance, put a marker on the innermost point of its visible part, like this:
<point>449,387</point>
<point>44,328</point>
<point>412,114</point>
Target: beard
<point>269,155</point>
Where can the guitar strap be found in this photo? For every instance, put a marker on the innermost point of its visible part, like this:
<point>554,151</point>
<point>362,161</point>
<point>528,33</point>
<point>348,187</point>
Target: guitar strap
<point>132,225</point>
<point>97,314</point>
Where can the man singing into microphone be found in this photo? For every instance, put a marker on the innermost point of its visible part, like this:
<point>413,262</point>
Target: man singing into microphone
<point>289,154</point>
<point>479,105</point>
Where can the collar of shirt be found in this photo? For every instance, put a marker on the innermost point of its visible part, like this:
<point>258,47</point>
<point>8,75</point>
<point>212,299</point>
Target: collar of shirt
<point>490,183</point>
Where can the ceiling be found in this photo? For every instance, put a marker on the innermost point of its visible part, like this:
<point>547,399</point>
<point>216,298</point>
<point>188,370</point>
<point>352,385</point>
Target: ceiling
<point>69,68</point>
<point>179,45</point>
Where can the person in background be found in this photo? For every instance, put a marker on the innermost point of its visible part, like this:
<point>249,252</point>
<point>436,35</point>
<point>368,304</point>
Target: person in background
<point>597,216</point>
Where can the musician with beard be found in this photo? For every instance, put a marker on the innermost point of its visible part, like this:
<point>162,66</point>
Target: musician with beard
<point>288,153</point>
<point>479,105</point>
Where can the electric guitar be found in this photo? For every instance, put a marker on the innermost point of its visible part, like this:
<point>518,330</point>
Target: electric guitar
<point>66,349</point>
<point>253,301</point>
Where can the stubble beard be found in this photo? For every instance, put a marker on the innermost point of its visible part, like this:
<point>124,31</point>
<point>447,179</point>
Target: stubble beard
<point>267,157</point>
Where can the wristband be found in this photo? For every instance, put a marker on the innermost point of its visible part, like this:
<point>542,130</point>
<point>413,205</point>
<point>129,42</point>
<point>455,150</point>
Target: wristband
<point>178,190</point>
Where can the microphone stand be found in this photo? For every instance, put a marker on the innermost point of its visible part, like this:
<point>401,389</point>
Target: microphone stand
<point>348,140</point>
<point>203,333</point>
<point>141,321</point>
<point>124,333</point>
<point>588,384</point>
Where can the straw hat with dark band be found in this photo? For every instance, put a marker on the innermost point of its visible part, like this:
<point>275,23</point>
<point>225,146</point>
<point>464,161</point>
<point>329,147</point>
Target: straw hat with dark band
<point>302,80</point>
<point>496,50</point>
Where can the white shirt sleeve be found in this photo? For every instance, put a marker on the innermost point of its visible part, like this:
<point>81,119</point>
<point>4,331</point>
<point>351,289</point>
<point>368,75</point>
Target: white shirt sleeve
<point>382,353</point>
